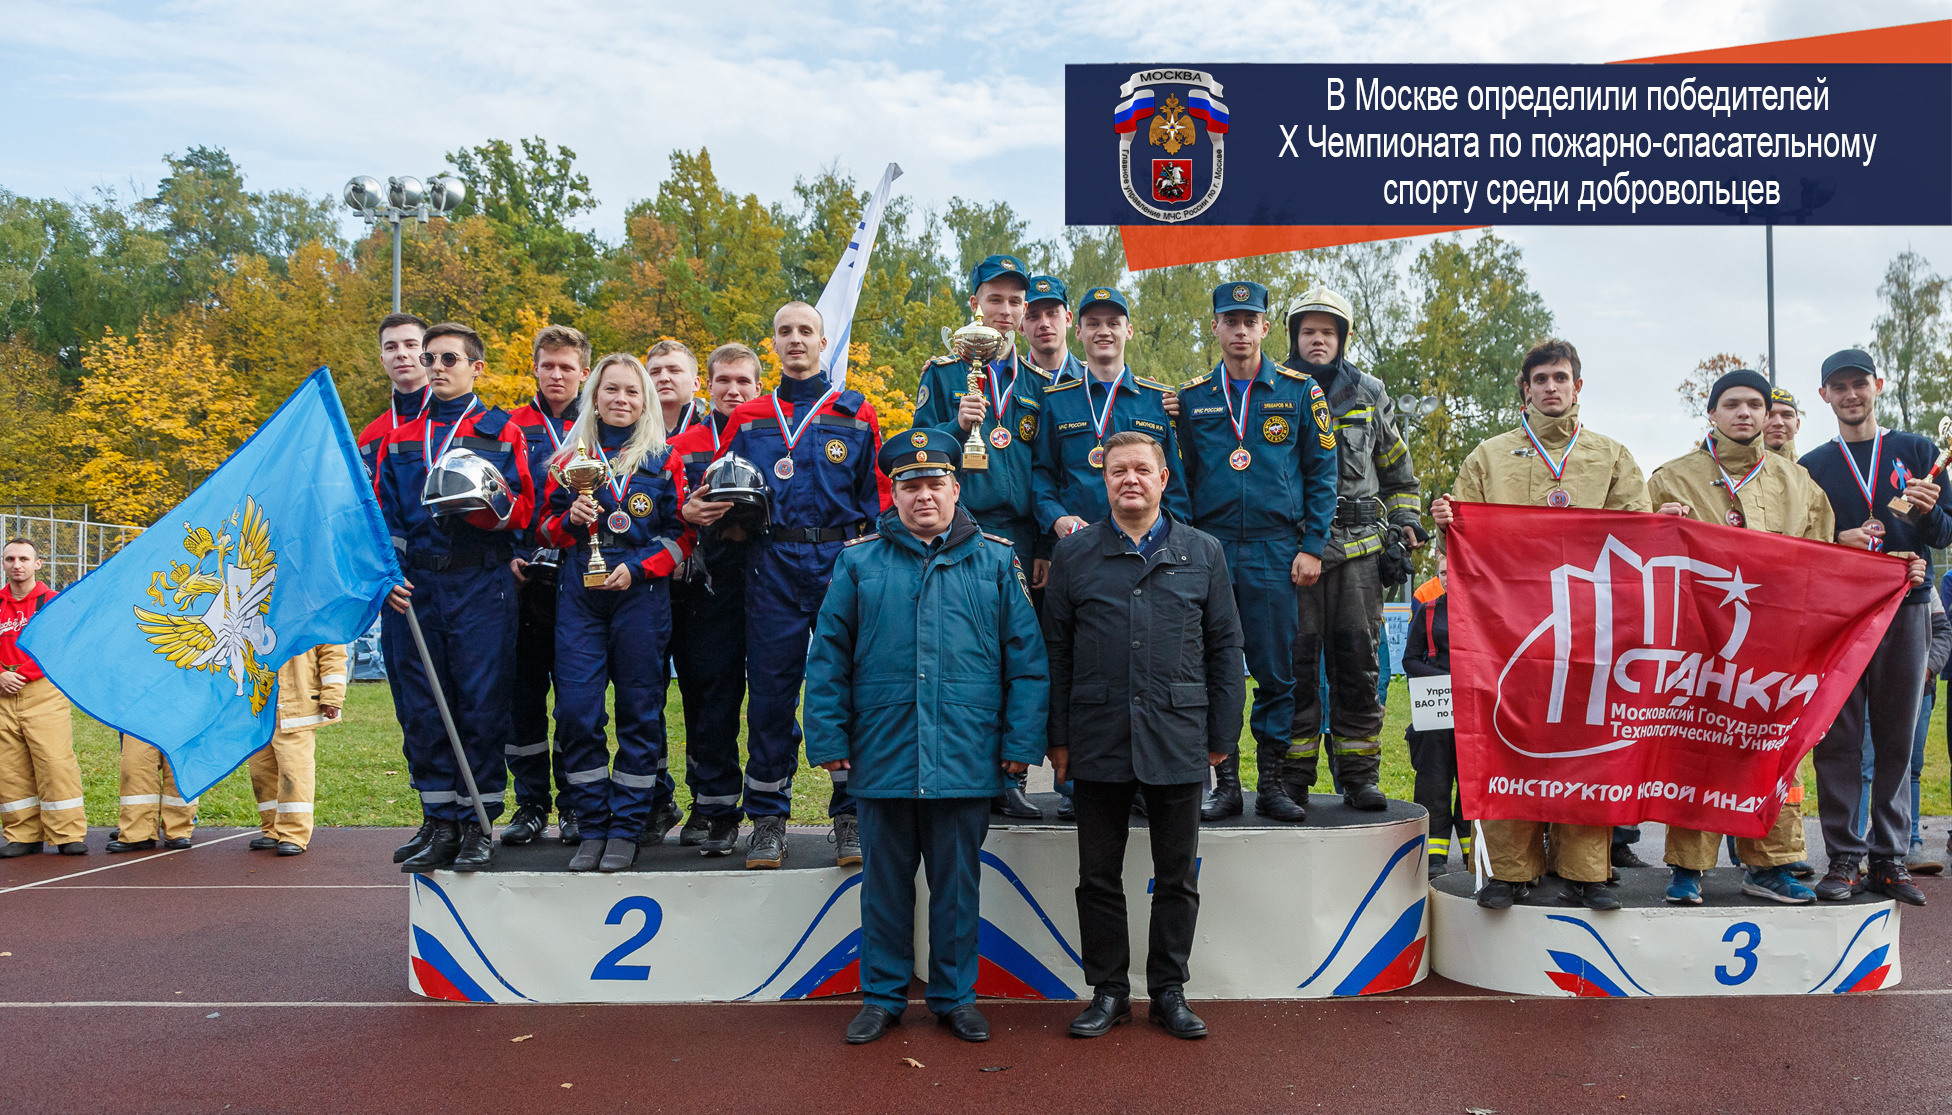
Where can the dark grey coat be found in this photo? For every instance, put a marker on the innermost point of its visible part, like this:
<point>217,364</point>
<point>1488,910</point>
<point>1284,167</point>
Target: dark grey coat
<point>1146,668</point>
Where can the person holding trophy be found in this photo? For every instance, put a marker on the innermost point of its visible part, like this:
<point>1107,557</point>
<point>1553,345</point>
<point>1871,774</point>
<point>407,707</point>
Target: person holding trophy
<point>613,495</point>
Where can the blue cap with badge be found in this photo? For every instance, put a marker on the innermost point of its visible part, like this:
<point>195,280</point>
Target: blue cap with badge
<point>994,266</point>
<point>1103,296</point>
<point>919,453</point>
<point>1240,296</point>
<point>1047,288</point>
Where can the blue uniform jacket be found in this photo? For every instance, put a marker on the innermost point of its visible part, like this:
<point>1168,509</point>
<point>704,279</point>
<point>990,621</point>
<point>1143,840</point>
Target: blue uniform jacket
<point>835,482</point>
<point>1001,492</point>
<point>1288,490</point>
<point>656,540</point>
<point>400,474</point>
<point>1064,481</point>
<point>927,669</point>
<point>537,426</point>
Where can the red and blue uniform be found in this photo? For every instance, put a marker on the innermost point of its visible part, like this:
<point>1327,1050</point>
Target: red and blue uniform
<point>405,407</point>
<point>464,596</point>
<point>606,638</point>
<point>708,642</point>
<point>530,759</point>
<point>830,491</point>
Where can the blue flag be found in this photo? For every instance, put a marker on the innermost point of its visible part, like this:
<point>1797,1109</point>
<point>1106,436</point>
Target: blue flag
<point>177,639</point>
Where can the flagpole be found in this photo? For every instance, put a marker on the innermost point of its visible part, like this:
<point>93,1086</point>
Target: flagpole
<point>843,290</point>
<point>447,718</point>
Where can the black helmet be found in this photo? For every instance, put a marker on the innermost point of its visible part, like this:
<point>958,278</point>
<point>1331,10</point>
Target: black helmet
<point>733,479</point>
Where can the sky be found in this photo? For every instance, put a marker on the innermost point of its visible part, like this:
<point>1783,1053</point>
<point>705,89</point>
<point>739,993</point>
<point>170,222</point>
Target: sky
<point>967,98</point>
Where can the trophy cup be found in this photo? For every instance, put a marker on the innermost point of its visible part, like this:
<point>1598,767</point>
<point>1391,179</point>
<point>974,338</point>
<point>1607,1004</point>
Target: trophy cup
<point>1902,505</point>
<point>976,344</point>
<point>582,474</point>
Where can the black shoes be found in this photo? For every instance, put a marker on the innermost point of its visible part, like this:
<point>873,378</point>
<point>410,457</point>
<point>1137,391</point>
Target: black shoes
<point>131,845</point>
<point>767,845</point>
<point>1439,865</point>
<point>17,848</point>
<point>1496,894</point>
<point>1366,797</point>
<point>1169,1009</point>
<point>967,1023</point>
<point>1223,801</point>
<point>1013,802</point>
<point>1067,810</point>
<point>664,818</point>
<point>263,843</point>
<point>1272,801</point>
<point>697,827</point>
<point>1841,882</point>
<point>527,826</point>
<point>1889,878</point>
<point>72,848</point>
<point>1104,1012</point>
<point>176,843</point>
<point>566,829</point>
<point>618,854</point>
<point>847,840</point>
<point>721,836</point>
<point>417,843</point>
<point>287,848</point>
<point>1623,857</point>
<point>437,851</point>
<point>477,848</point>
<point>1593,896</point>
<point>588,854</point>
<point>870,1024</point>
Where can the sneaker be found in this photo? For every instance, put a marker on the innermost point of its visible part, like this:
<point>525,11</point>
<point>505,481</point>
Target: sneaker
<point>767,845</point>
<point>720,837</point>
<point>567,830</point>
<point>1623,856</point>
<point>1889,878</point>
<point>1777,885</point>
<point>1801,869</point>
<point>1499,895</point>
<point>1684,887</point>
<point>1918,863</point>
<point>664,818</point>
<point>1593,896</point>
<point>529,823</point>
<point>697,827</point>
<point>846,839</point>
<point>1439,865</point>
<point>1841,882</point>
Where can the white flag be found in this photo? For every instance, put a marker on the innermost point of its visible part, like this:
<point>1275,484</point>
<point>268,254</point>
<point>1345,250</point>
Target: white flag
<point>843,291</point>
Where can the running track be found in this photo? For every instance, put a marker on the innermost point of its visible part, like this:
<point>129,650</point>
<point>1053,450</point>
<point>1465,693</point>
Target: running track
<point>221,980</point>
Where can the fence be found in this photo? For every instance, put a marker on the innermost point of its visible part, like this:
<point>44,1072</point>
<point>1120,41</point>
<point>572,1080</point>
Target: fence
<point>70,543</point>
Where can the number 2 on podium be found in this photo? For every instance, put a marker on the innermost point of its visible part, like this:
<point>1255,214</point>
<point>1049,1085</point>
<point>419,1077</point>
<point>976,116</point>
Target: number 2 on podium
<point>608,967</point>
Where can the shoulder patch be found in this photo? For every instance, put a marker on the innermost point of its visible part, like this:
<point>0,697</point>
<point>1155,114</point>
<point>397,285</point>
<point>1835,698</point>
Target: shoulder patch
<point>1314,389</point>
<point>1195,382</point>
<point>1065,386</point>
<point>1152,383</point>
<point>1292,374</point>
<point>996,538</point>
<point>861,539</point>
<point>1023,582</point>
<point>945,358</point>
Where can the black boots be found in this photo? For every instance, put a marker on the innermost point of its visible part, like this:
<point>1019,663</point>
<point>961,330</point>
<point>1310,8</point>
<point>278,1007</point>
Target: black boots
<point>1272,799</point>
<point>528,824</point>
<point>442,843</point>
<point>1013,802</point>
<point>476,848</point>
<point>1223,800</point>
<point>417,843</point>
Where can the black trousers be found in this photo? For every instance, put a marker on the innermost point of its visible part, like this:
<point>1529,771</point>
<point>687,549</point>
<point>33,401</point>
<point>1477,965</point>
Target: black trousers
<point>531,759</point>
<point>1104,820</point>
<point>1434,757</point>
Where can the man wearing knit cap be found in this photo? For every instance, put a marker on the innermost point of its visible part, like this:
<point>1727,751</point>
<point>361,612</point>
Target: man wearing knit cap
<point>1550,460</point>
<point>1730,478</point>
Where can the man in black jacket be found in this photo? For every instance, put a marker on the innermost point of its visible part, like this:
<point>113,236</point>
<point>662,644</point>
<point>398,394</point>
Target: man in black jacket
<point>1147,684</point>
<point>1433,754</point>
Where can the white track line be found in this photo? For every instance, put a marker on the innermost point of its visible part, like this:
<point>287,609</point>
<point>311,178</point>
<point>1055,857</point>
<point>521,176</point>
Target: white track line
<point>247,886</point>
<point>128,863</point>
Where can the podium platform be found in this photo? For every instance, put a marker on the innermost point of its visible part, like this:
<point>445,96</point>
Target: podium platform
<point>1337,906</point>
<point>1731,944</point>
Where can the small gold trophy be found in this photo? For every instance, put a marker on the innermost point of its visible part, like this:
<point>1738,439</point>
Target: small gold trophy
<point>976,344</point>
<point>582,474</point>
<point>1902,505</point>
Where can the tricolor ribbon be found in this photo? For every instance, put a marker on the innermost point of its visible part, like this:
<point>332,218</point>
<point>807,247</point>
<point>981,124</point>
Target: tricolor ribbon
<point>1558,470</point>
<point>793,438</point>
<point>1246,395</point>
<point>1000,401</point>
<point>618,486</point>
<point>1733,486</point>
<point>1866,481</point>
<point>426,398</point>
<point>1102,422</point>
<point>427,435</point>
<point>549,426</point>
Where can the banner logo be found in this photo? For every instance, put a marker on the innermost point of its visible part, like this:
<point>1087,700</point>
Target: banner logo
<point>1176,102</point>
<point>230,634</point>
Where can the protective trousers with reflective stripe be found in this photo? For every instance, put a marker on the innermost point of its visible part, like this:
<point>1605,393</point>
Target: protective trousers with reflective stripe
<point>785,583</point>
<point>283,781</point>
<point>1581,853</point>
<point>1700,851</point>
<point>606,638</point>
<point>40,781</point>
<point>1340,615</point>
<point>531,759</point>
<point>468,617</point>
<point>148,793</point>
<point>1264,591</point>
<point>708,646</point>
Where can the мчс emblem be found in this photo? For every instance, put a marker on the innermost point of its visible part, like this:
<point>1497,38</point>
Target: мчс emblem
<point>1173,181</point>
<point>640,505</point>
<point>1276,430</point>
<point>1027,427</point>
<point>230,633</point>
<point>836,451</point>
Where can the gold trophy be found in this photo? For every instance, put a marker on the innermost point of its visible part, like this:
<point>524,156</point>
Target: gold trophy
<point>976,344</point>
<point>1902,505</point>
<point>582,474</point>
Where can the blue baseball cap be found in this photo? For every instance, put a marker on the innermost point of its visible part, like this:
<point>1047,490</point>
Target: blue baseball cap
<point>1103,296</point>
<point>1240,296</point>
<point>993,266</point>
<point>919,453</point>
<point>1047,288</point>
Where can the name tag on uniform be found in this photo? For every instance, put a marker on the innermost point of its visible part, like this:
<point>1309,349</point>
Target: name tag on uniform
<point>1278,406</point>
<point>1144,425</point>
<point>1430,703</point>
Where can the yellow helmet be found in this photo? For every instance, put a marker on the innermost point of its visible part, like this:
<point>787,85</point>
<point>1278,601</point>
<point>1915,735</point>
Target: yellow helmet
<point>1319,299</point>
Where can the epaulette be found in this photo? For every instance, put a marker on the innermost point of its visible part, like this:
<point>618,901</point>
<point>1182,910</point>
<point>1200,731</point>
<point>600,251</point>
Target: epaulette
<point>1152,383</point>
<point>996,538</point>
<point>861,539</point>
<point>945,358</point>
<point>1292,374</point>
<point>1196,381</point>
<point>1065,386</point>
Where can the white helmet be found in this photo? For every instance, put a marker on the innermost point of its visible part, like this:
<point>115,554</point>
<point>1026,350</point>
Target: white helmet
<point>463,483</point>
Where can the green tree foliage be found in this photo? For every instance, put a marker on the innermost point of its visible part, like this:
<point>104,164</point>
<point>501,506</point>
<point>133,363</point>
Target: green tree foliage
<point>529,199</point>
<point>1909,343</point>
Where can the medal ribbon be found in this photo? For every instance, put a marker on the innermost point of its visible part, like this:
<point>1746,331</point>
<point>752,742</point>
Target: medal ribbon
<point>1226,392</point>
<point>1000,402</point>
<point>618,486</point>
<point>1102,422</point>
<point>426,397</point>
<point>1866,483</point>
<point>1734,486</point>
<point>1558,471</point>
<point>793,438</point>
<point>549,425</point>
<point>427,435</point>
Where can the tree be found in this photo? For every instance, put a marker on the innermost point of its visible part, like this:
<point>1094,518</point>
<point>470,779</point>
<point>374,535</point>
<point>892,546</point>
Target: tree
<point>1908,337</point>
<point>37,442</point>
<point>1695,386</point>
<point>529,198</point>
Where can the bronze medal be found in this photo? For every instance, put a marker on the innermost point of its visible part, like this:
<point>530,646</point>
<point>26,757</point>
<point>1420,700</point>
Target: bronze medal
<point>1558,497</point>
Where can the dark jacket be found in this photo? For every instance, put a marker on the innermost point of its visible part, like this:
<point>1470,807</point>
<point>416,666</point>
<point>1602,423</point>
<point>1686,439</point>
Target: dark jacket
<point>927,669</point>
<point>1146,668</point>
<point>1427,653</point>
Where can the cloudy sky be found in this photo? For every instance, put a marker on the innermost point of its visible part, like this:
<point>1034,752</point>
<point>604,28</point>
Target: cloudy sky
<point>966,97</point>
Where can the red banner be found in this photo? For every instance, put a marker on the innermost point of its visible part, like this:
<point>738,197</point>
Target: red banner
<point>1613,667</point>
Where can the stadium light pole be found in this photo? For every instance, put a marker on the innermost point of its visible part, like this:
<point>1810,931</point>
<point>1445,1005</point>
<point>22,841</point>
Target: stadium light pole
<point>404,199</point>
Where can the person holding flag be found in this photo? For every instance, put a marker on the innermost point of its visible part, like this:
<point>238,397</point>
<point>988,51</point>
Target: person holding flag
<point>615,633</point>
<point>1550,460</point>
<point>464,453</point>
<point>815,442</point>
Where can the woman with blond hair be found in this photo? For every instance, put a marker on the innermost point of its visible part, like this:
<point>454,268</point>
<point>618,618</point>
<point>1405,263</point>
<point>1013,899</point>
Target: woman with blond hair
<point>614,633</point>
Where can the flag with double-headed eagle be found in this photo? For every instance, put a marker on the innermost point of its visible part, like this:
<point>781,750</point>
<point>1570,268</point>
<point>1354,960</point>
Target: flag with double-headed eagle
<point>177,638</point>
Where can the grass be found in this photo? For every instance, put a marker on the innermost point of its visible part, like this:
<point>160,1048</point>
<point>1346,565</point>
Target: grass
<point>362,774</point>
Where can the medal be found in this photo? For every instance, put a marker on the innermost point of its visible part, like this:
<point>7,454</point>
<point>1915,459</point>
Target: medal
<point>1097,456</point>
<point>783,468</point>
<point>1866,483</point>
<point>1000,437</point>
<point>999,395</point>
<point>1240,459</point>
<point>1102,422</point>
<point>618,522</point>
<point>1558,496</point>
<point>1735,518</point>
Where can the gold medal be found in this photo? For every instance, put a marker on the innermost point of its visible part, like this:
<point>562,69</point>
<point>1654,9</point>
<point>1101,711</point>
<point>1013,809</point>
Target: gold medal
<point>1000,438</point>
<point>1240,459</point>
<point>1097,457</point>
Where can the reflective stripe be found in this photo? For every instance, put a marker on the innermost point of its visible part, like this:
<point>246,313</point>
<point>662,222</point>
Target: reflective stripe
<point>1357,746</point>
<point>531,749</point>
<point>141,799</point>
<point>486,799</point>
<point>267,806</point>
<point>1440,845</point>
<point>70,803</point>
<point>1363,547</point>
<point>170,800</point>
<point>634,781</point>
<point>1404,502</point>
<point>23,803</point>
<point>716,799</point>
<point>294,807</point>
<point>436,797</point>
<point>332,679</point>
<point>1302,747</point>
<point>585,777</point>
<point>677,552</point>
<point>771,787</point>
<point>301,721</point>
<point>1393,454</point>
